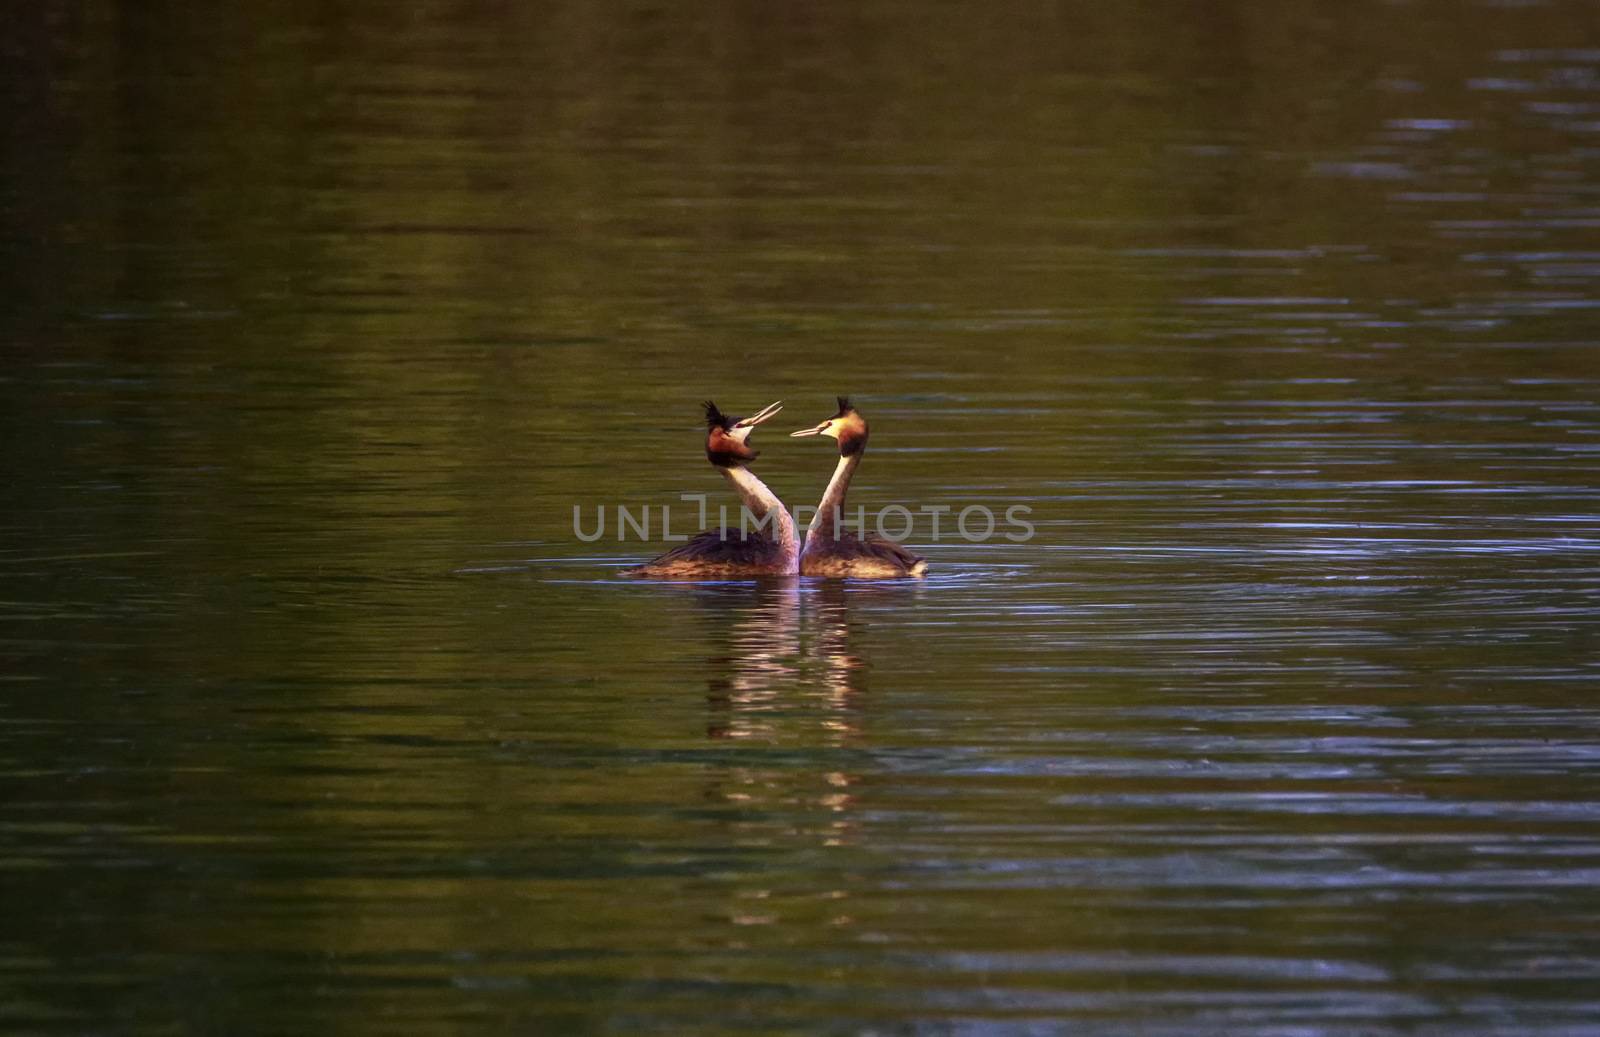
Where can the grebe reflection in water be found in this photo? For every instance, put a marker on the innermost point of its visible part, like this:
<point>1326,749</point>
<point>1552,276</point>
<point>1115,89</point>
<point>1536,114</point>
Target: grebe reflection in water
<point>779,655</point>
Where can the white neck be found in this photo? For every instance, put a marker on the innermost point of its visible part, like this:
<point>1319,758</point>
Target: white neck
<point>761,502</point>
<point>824,524</point>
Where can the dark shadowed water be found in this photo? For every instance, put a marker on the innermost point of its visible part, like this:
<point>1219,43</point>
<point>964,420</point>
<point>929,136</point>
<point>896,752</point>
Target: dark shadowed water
<point>1283,318</point>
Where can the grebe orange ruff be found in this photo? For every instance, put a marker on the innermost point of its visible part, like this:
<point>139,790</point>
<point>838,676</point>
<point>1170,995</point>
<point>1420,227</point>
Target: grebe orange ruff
<point>827,551</point>
<point>734,552</point>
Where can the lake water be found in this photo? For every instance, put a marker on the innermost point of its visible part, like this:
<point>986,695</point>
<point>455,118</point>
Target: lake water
<point>316,717</point>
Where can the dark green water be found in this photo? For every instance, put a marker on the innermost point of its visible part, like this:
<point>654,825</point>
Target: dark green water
<point>1284,319</point>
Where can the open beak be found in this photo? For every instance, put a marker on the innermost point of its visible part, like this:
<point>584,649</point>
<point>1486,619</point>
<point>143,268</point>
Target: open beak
<point>809,431</point>
<point>755,419</point>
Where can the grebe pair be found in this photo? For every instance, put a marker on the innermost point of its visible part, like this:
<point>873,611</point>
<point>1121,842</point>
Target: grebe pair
<point>827,551</point>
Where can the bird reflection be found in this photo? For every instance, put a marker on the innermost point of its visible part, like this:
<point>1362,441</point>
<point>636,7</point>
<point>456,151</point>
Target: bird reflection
<point>786,645</point>
<point>783,673</point>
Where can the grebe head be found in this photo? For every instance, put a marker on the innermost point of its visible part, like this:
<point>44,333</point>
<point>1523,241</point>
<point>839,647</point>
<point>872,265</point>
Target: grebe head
<point>847,426</point>
<point>728,438</point>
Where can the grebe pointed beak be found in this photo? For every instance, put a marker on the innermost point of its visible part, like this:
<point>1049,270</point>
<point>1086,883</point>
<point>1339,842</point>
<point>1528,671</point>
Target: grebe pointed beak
<point>809,431</point>
<point>757,418</point>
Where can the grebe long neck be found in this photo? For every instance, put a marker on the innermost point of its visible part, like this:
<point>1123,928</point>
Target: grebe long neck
<point>762,502</point>
<point>824,524</point>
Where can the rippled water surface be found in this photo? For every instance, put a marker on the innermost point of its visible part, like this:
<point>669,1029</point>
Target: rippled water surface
<point>315,715</point>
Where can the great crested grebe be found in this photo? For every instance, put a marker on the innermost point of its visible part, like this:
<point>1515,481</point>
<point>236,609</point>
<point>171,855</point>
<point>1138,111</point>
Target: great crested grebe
<point>827,551</point>
<point>734,551</point>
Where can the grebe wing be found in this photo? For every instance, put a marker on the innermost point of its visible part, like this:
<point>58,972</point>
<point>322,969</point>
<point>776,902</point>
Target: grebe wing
<point>715,551</point>
<point>888,550</point>
<point>842,555</point>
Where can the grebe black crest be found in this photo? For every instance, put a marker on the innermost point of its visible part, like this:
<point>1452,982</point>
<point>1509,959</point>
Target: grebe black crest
<point>830,552</point>
<point>772,550</point>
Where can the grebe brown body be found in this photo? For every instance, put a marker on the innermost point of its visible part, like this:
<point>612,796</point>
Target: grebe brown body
<point>734,552</point>
<point>827,550</point>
